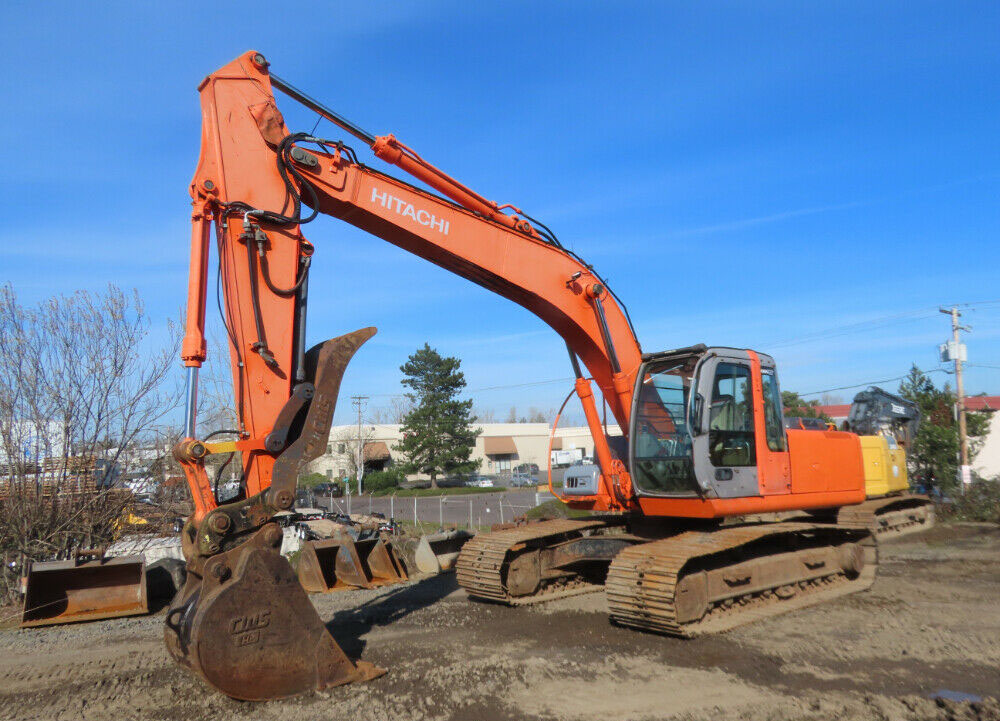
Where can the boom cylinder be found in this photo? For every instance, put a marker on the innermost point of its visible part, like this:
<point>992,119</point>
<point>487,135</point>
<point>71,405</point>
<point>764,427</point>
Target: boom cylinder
<point>601,448</point>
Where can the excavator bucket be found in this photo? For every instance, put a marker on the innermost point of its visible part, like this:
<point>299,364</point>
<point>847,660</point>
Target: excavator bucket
<point>337,564</point>
<point>243,621</point>
<point>385,563</point>
<point>437,552</point>
<point>85,588</point>
<point>248,628</point>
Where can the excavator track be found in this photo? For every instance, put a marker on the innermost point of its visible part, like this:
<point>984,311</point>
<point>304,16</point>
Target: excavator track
<point>890,516</point>
<point>484,565</point>
<point>701,582</point>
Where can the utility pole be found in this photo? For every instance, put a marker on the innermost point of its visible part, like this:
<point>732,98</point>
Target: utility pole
<point>956,353</point>
<point>358,402</point>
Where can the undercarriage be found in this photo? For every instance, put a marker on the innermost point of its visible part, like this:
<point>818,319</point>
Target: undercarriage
<point>682,583</point>
<point>890,515</point>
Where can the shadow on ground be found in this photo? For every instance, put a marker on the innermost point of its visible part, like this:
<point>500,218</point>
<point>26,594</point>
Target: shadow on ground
<point>349,627</point>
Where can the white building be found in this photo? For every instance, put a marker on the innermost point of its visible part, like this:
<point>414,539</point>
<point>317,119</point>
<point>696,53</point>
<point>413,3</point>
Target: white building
<point>499,448</point>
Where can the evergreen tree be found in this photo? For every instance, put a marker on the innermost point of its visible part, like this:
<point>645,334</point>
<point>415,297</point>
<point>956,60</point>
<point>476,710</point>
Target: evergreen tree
<point>933,455</point>
<point>438,436</point>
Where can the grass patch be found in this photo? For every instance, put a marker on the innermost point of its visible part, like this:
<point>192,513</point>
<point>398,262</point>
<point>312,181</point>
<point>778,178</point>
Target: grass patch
<point>556,509</point>
<point>421,492</point>
<point>410,528</point>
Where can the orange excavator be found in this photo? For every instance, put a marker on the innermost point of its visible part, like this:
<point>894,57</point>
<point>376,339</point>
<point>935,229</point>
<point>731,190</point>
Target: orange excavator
<point>677,536</point>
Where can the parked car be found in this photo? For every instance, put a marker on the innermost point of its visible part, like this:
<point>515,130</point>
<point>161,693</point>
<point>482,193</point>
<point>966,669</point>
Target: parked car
<point>527,469</point>
<point>521,479</point>
<point>327,489</point>
<point>477,480</point>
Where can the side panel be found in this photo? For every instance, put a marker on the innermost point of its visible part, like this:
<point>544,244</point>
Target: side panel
<point>885,467</point>
<point>825,461</point>
<point>875,453</point>
<point>722,507</point>
<point>898,478</point>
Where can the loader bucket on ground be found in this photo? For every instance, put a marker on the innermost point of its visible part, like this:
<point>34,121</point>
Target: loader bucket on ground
<point>338,564</point>
<point>437,552</point>
<point>84,590</point>
<point>247,627</point>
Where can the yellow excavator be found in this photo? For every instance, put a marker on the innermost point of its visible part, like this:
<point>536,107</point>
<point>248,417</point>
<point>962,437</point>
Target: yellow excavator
<point>886,425</point>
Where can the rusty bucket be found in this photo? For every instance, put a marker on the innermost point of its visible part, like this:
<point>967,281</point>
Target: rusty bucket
<point>337,564</point>
<point>437,552</point>
<point>85,588</point>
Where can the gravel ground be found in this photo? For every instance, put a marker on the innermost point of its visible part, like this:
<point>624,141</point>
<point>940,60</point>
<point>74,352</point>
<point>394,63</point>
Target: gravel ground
<point>930,626</point>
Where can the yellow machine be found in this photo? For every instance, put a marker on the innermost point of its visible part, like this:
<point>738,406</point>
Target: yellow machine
<point>885,466</point>
<point>886,425</point>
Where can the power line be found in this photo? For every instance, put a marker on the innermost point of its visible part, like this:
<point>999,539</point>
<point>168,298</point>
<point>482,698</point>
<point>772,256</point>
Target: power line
<point>870,383</point>
<point>488,388</point>
<point>872,324</point>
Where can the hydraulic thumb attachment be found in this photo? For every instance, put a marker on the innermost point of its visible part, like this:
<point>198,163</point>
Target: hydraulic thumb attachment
<point>242,621</point>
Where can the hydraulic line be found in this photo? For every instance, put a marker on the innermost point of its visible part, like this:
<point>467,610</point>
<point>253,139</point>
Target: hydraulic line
<point>265,271</point>
<point>605,332</point>
<point>300,308</point>
<point>260,347</point>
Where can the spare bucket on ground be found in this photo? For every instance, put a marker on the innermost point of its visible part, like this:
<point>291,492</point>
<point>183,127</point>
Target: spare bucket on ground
<point>337,564</point>
<point>85,588</point>
<point>437,552</point>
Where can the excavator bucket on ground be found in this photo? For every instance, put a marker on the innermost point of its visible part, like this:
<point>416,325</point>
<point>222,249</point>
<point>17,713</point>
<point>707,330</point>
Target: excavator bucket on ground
<point>437,552</point>
<point>248,628</point>
<point>85,588</point>
<point>243,622</point>
<point>338,564</point>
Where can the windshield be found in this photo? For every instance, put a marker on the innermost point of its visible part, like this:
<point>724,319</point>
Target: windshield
<point>662,442</point>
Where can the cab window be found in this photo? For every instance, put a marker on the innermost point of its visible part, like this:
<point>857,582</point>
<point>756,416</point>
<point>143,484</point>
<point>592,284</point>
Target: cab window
<point>730,424</point>
<point>662,446</point>
<point>773,425</point>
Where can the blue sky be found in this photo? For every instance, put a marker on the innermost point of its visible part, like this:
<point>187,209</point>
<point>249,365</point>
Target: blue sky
<point>743,174</point>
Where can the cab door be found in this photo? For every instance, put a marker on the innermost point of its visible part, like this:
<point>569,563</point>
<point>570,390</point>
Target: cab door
<point>725,448</point>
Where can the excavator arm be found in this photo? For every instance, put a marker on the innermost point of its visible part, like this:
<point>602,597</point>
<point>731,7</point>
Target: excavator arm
<point>255,186</point>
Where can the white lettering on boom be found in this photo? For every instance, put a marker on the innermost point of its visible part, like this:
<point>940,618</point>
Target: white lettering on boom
<point>401,207</point>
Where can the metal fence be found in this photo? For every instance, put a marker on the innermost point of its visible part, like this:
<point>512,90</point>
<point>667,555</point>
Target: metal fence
<point>474,511</point>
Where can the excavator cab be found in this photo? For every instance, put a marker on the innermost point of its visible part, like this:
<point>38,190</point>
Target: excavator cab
<point>695,426</point>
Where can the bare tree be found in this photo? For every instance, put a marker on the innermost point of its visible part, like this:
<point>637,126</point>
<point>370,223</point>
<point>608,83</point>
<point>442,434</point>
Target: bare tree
<point>484,415</point>
<point>512,415</point>
<point>394,412</point>
<point>82,387</point>
<point>536,415</point>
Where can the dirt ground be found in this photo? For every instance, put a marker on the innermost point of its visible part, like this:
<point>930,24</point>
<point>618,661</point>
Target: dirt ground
<point>930,625</point>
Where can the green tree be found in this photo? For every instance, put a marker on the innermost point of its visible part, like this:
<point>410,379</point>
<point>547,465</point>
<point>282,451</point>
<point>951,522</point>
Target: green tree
<point>933,456</point>
<point>798,407</point>
<point>438,436</point>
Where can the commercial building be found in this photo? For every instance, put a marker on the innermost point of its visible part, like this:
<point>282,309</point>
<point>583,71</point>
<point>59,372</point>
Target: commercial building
<point>500,447</point>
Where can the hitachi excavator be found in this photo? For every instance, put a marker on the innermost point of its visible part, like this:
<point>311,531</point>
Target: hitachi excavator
<point>704,446</point>
<point>887,425</point>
